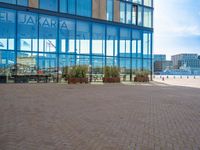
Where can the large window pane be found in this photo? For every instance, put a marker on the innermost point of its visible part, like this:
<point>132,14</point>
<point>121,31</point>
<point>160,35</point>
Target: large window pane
<point>109,14</point>
<point>83,38</point>
<point>67,35</point>
<point>148,2</point>
<point>49,4</point>
<point>147,17</point>
<point>139,16</point>
<point>27,31</point>
<point>124,42</point>
<point>27,63</point>
<point>7,66</point>
<point>22,2</point>
<point>122,12</point>
<point>111,61</point>
<point>63,6</point>
<point>48,66</point>
<point>98,41</point>
<point>71,6</point>
<point>9,1</point>
<point>7,61</point>
<point>137,1</point>
<point>136,43</point>
<point>84,8</point>
<point>125,67</point>
<point>98,64</point>
<point>7,29</point>
<point>47,33</point>
<point>128,13</point>
<point>146,45</point>
<point>134,15</point>
<point>112,42</point>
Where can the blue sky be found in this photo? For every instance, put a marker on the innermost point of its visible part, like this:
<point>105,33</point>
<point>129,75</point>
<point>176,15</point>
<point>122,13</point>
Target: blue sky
<point>176,26</point>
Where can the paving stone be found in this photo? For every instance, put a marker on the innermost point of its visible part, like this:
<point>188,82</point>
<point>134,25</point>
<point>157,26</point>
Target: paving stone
<point>99,117</point>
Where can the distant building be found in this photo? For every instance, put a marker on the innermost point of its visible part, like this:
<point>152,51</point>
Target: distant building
<point>179,57</point>
<point>159,57</point>
<point>160,66</point>
<point>159,61</point>
<point>192,63</point>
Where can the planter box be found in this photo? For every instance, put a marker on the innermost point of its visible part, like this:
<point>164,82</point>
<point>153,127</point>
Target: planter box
<point>111,80</point>
<point>141,79</point>
<point>77,80</point>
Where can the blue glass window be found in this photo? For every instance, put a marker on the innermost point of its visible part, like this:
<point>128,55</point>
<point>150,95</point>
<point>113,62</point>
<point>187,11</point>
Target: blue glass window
<point>22,2</point>
<point>67,35</point>
<point>84,8</point>
<point>128,13</point>
<point>9,1</point>
<point>47,33</point>
<point>83,38</point>
<point>71,6</point>
<point>109,14</point>
<point>111,41</point>
<point>122,12</point>
<point>7,29</point>
<point>49,4</point>
<point>7,61</point>
<point>27,31</point>
<point>98,41</point>
<point>63,6</point>
<point>125,42</point>
<point>134,15</point>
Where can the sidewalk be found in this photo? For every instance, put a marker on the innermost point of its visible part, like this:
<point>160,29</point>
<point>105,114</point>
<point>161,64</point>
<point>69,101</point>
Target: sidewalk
<point>191,82</point>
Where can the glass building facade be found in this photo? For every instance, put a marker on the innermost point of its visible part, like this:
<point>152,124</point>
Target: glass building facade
<point>47,36</point>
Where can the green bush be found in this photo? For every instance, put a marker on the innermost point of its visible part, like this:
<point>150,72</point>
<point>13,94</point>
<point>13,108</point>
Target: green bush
<point>115,72</point>
<point>111,72</point>
<point>78,72</point>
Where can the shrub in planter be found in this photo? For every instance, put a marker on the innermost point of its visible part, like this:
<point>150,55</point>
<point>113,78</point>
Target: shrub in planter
<point>141,76</point>
<point>77,74</point>
<point>111,75</point>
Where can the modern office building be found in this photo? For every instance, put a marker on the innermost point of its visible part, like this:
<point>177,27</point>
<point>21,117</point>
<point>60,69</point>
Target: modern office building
<point>160,66</point>
<point>179,57</point>
<point>46,36</point>
<point>159,57</point>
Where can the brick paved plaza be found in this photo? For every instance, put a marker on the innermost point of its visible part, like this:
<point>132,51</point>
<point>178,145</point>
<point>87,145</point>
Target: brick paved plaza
<point>99,117</point>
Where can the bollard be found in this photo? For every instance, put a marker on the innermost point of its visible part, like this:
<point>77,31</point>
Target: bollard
<point>163,79</point>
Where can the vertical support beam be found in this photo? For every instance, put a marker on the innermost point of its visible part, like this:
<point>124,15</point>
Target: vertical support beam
<point>75,45</point>
<point>38,37</point>
<point>118,47</point>
<point>131,57</point>
<point>142,50</point>
<point>16,39</point>
<point>58,48</point>
<point>105,45</point>
<point>91,46</point>
<point>151,61</point>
